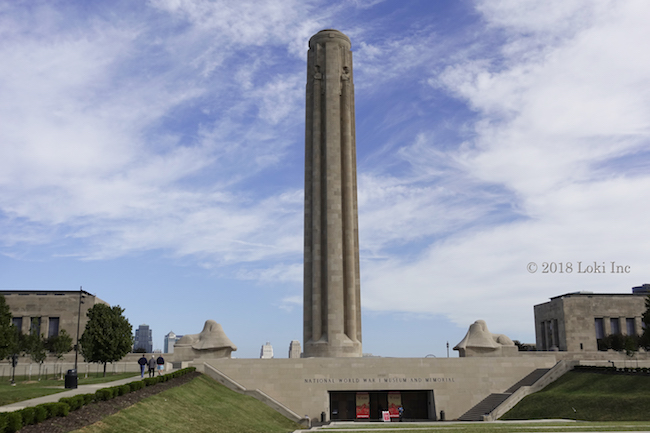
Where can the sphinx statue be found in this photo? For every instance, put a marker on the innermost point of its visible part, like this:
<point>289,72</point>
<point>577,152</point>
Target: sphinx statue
<point>479,341</point>
<point>212,342</point>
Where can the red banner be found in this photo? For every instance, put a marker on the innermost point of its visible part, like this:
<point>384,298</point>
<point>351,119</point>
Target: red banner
<point>394,402</point>
<point>363,405</point>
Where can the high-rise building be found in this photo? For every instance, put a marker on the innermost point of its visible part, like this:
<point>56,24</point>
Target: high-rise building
<point>332,308</point>
<point>170,340</point>
<point>267,351</point>
<point>143,339</point>
<point>294,349</point>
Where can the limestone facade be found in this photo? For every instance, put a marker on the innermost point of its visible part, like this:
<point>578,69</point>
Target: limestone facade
<point>573,322</point>
<point>332,309</point>
<point>53,309</point>
<point>307,385</point>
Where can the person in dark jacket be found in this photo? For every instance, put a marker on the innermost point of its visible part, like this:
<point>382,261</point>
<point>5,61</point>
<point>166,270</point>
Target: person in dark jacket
<point>142,361</point>
<point>161,364</point>
<point>152,366</point>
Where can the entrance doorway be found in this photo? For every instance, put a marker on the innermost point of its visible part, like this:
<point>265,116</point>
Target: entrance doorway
<point>418,405</point>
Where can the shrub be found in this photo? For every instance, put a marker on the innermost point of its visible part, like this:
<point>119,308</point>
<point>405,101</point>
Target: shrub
<point>3,421</point>
<point>14,422</point>
<point>73,403</point>
<point>134,386</point>
<point>104,394</point>
<point>150,381</point>
<point>56,409</point>
<point>87,398</point>
<point>79,401</point>
<point>124,389</point>
<point>28,414</point>
<point>40,414</point>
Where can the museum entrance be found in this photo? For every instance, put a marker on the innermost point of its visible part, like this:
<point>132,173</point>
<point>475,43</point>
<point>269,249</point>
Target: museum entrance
<point>369,405</point>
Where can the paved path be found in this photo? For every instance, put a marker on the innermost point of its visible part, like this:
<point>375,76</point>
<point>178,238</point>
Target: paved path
<point>348,426</point>
<point>81,389</point>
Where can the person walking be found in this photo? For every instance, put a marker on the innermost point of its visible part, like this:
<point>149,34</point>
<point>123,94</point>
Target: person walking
<point>142,361</point>
<point>401,413</point>
<point>152,366</point>
<point>161,364</point>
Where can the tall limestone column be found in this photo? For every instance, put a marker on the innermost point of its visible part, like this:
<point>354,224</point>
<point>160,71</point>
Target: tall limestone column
<point>332,307</point>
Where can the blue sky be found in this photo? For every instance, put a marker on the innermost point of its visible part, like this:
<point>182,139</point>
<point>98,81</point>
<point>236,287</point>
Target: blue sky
<point>152,152</point>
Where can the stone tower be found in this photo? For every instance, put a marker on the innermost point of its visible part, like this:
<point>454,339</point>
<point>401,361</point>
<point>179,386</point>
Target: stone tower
<point>332,308</point>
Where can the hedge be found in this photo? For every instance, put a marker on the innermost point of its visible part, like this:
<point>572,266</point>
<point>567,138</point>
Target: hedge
<point>11,422</point>
<point>28,414</point>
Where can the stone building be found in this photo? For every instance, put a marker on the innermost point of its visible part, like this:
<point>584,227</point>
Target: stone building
<point>332,300</point>
<point>574,322</point>
<point>50,311</point>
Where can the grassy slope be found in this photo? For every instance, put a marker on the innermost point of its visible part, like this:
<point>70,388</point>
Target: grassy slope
<point>203,405</point>
<point>25,390</point>
<point>594,397</point>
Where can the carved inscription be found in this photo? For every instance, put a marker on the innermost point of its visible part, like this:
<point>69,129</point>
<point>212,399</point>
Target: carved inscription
<point>379,380</point>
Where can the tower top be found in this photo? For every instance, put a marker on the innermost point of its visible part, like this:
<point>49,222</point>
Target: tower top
<point>329,34</point>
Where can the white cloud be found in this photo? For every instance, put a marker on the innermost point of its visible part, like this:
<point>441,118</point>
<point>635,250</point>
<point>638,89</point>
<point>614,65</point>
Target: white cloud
<point>553,127</point>
<point>88,150</point>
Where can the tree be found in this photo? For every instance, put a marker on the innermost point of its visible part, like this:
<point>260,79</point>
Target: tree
<point>8,333</point>
<point>59,345</point>
<point>645,337</point>
<point>107,336</point>
<point>34,345</point>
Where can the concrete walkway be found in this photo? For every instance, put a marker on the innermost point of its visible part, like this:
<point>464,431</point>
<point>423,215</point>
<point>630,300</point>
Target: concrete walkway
<point>377,427</point>
<point>81,389</point>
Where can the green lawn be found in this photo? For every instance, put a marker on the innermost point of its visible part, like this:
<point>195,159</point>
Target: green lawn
<point>589,396</point>
<point>202,405</point>
<point>26,389</point>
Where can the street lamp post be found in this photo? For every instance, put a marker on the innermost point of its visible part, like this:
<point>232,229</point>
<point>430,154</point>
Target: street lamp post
<point>71,376</point>
<point>76,346</point>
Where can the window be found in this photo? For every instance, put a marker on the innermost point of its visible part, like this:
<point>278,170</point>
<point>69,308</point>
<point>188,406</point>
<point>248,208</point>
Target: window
<point>600,328</point>
<point>18,323</point>
<point>556,333</point>
<point>53,329</point>
<point>614,325</point>
<point>35,326</point>
<point>630,326</point>
<point>549,334</point>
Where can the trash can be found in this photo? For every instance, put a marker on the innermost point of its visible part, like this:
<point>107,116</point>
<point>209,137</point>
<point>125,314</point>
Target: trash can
<point>71,379</point>
<point>442,415</point>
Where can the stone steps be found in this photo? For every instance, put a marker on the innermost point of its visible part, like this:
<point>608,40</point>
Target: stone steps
<point>489,403</point>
